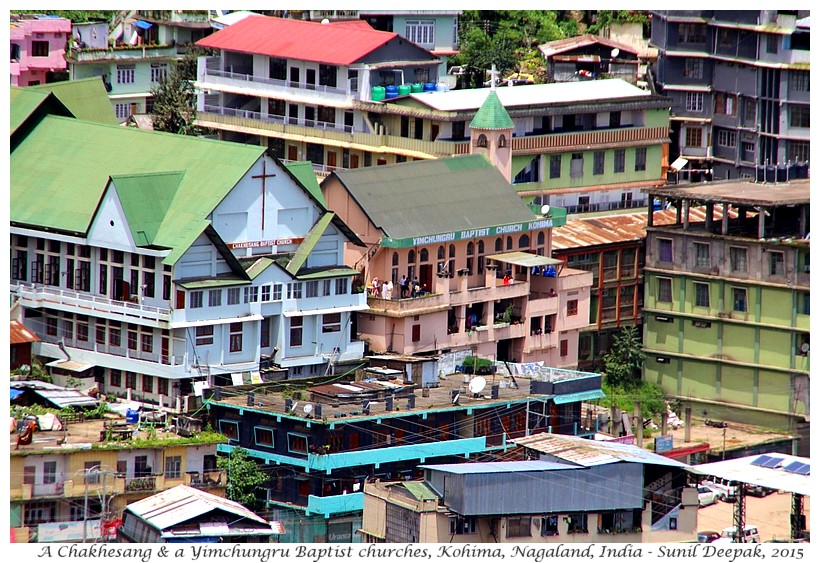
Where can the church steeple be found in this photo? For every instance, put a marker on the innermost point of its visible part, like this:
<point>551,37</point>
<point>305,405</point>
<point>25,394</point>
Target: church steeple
<point>491,134</point>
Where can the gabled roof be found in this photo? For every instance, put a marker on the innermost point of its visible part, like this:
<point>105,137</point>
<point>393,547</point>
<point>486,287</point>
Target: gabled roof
<point>19,334</point>
<point>303,172</point>
<point>492,115</point>
<point>434,196</point>
<point>300,257</point>
<point>564,45</point>
<point>85,98</point>
<point>145,199</point>
<point>61,153</point>
<point>299,40</point>
<point>26,102</point>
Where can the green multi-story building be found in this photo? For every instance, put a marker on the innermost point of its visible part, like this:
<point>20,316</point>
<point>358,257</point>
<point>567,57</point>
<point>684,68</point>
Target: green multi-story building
<point>726,307</point>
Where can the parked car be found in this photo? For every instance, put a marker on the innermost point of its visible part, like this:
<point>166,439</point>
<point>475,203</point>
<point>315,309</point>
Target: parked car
<point>707,536</point>
<point>723,487</point>
<point>750,534</point>
<point>706,496</point>
<point>758,491</point>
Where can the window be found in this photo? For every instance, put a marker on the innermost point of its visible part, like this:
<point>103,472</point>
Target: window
<point>235,337</point>
<point>576,165</point>
<point>49,472</point>
<point>327,75</point>
<point>195,299</point>
<point>598,162</point>
<point>520,527</point>
<point>147,384</point>
<point>115,378</point>
<point>701,294</point>
<point>564,348</point>
<point>277,292</point>
<point>214,297</point>
<point>233,296</point>
<point>693,68</point>
<point>341,286</point>
<point>640,159</point>
<point>251,294</point>
<point>296,331</point>
<point>29,475</point>
<point>162,386</point>
<point>694,136</point>
<point>332,322</point>
<point>295,290</point>
<point>263,436</point>
<point>326,286</point>
<point>572,307</point>
<point>38,513</point>
<point>555,166</point>
<point>204,335</point>
<point>776,264</point>
<point>230,429</point>
<point>549,526</point>
<point>125,74</point>
<point>747,151</point>
<point>481,141</point>
<point>577,523</point>
<point>130,380</point>
<point>665,290</point>
<point>620,160</point>
<point>664,250</point>
<point>421,32</point>
<point>266,293</point>
<point>312,288</point>
<point>702,258</point>
<point>173,467</point>
<point>727,138</point>
<point>39,48</point>
<point>797,151</point>
<point>691,33</point>
<point>91,474</point>
<point>462,525</point>
<point>799,80</point>
<point>159,71</point>
<point>772,42</point>
<point>739,299</point>
<point>122,110</point>
<point>415,334</point>
<point>297,443</point>
<point>799,116</point>
<point>805,303</point>
<point>694,101</point>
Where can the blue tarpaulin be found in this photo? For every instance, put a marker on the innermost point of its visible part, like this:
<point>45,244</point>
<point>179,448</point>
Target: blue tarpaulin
<point>143,24</point>
<point>15,393</point>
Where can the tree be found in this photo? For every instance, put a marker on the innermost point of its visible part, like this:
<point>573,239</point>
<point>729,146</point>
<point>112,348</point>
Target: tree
<point>622,365</point>
<point>244,476</point>
<point>175,98</point>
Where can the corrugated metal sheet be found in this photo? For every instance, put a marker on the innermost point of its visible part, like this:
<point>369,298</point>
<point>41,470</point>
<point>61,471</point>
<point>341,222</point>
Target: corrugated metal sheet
<point>610,487</point>
<point>590,453</point>
<point>183,503</point>
<point>497,467</point>
<point>61,397</point>
<point>562,45</point>
<point>428,197</point>
<point>741,469</point>
<point>737,192</point>
<point>19,334</point>
<point>299,40</point>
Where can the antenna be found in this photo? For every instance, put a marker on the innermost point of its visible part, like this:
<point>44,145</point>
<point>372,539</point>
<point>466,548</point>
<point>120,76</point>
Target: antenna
<point>477,385</point>
<point>308,408</point>
<point>545,209</point>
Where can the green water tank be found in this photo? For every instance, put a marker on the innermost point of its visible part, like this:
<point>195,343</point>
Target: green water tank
<point>417,87</point>
<point>404,90</point>
<point>377,93</point>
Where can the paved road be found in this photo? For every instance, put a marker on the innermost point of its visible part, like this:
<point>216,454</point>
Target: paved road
<point>770,514</point>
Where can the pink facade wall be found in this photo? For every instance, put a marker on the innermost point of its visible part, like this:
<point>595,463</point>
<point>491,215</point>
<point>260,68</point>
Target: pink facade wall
<point>27,69</point>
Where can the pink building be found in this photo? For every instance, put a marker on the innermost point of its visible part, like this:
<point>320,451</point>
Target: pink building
<point>38,45</point>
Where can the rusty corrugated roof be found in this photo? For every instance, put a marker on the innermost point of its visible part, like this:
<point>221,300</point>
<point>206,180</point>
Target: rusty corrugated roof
<point>19,334</point>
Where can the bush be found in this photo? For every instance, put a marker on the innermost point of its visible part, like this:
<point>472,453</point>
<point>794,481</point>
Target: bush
<point>480,366</point>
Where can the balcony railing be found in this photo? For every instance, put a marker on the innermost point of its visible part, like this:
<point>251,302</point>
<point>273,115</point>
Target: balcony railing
<point>536,144</point>
<point>40,294</point>
<point>269,118</point>
<point>205,479</point>
<point>243,77</point>
<point>48,489</point>
<point>125,53</point>
<point>141,484</point>
<point>336,504</point>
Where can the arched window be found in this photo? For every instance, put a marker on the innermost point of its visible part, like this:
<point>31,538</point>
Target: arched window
<point>499,244</point>
<point>524,241</point>
<point>509,243</point>
<point>395,270</point>
<point>481,257</point>
<point>395,258</point>
<point>470,249</point>
<point>502,141</point>
<point>481,141</point>
<point>451,266</point>
<point>411,256</point>
<point>441,252</point>
<point>423,255</point>
<point>541,238</point>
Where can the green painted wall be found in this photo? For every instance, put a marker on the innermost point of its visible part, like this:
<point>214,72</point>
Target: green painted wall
<point>774,390</point>
<point>699,341</point>
<point>738,342</point>
<point>773,303</point>
<point>698,379</point>
<point>662,336</point>
<point>736,385</point>
<point>776,347</point>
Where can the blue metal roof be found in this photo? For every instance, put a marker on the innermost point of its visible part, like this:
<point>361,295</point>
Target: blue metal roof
<point>499,467</point>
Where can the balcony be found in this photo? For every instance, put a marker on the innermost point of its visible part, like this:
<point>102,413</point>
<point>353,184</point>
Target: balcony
<point>407,307</point>
<point>336,504</point>
<point>37,296</point>
<point>140,484</point>
<point>125,53</point>
<point>205,479</point>
<point>216,77</point>
<point>591,140</point>
<point>280,119</point>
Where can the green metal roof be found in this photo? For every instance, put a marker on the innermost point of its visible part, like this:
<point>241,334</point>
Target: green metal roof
<point>145,199</point>
<point>85,99</point>
<point>26,102</point>
<point>332,272</point>
<point>258,266</point>
<point>61,168</point>
<point>420,198</point>
<point>227,281</point>
<point>311,239</point>
<point>492,115</point>
<point>419,490</point>
<point>304,173</point>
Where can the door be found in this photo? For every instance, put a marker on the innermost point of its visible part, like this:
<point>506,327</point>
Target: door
<point>331,160</point>
<point>180,299</point>
<point>292,153</point>
<point>354,160</point>
<point>310,78</point>
<point>426,276</point>
<point>294,77</point>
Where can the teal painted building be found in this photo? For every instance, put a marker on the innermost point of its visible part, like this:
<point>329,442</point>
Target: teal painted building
<point>727,306</point>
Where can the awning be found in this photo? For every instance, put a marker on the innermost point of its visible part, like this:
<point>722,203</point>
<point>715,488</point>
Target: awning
<point>14,393</point>
<point>310,312</point>
<point>581,396</point>
<point>679,164</point>
<point>70,365</point>
<point>525,259</point>
<point>204,322</point>
<point>143,24</point>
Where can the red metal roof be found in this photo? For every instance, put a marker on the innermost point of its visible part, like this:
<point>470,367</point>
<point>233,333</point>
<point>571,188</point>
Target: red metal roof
<point>300,40</point>
<point>20,334</point>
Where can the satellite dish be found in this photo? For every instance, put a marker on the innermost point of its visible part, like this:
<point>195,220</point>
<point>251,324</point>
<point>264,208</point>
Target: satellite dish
<point>308,408</point>
<point>293,407</point>
<point>615,52</point>
<point>545,209</point>
<point>455,398</point>
<point>805,348</point>
<point>477,384</point>
<point>325,21</point>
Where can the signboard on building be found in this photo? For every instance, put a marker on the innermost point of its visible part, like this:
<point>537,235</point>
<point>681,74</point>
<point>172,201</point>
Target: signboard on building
<point>663,444</point>
<point>261,243</point>
<point>69,531</point>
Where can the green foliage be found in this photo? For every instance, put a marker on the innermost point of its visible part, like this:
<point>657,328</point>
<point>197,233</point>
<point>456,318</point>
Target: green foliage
<point>244,477</point>
<point>650,395</point>
<point>605,18</point>
<point>175,99</point>
<point>76,16</point>
<point>622,365</point>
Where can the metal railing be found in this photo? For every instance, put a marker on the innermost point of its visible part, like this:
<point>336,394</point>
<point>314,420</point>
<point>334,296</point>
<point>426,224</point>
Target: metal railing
<point>281,119</point>
<point>210,71</point>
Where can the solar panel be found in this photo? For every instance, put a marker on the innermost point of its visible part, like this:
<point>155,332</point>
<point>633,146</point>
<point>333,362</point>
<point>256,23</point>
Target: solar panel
<point>759,461</point>
<point>805,470</point>
<point>773,462</point>
<point>798,467</point>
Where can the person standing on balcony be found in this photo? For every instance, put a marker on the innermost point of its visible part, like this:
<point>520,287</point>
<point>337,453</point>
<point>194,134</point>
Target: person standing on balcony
<point>403,285</point>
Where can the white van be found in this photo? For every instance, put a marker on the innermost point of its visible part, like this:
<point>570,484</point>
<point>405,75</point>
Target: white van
<point>750,534</point>
<point>724,490</point>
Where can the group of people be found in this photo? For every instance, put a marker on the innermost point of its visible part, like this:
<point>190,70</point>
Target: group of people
<point>407,288</point>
